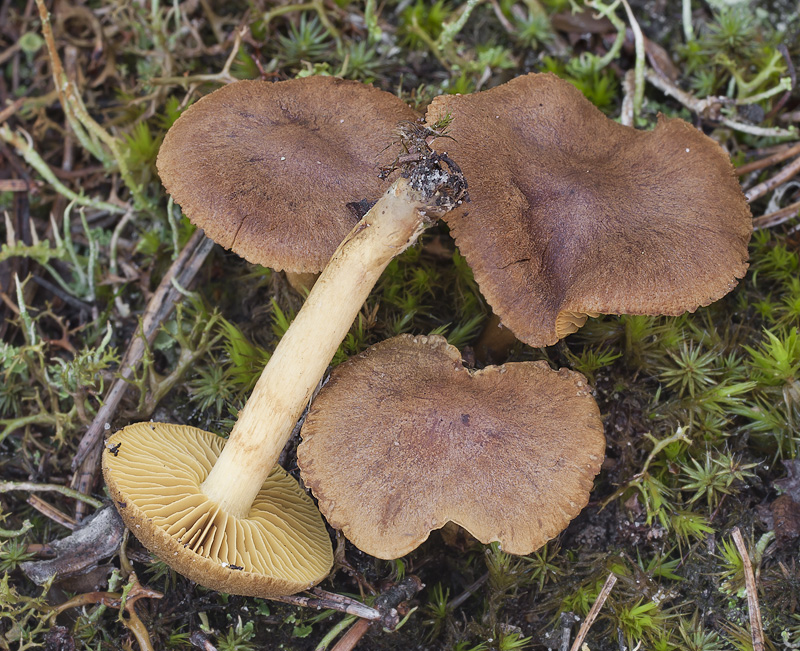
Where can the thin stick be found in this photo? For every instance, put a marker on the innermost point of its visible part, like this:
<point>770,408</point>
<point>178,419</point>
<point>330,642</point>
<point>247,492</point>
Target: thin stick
<point>159,307</point>
<point>47,509</point>
<point>778,157</point>
<point>788,172</point>
<point>595,610</point>
<point>756,629</point>
<point>349,640</point>
<point>778,217</point>
<point>340,603</point>
<point>709,108</point>
<point>6,486</point>
<point>87,458</point>
<point>468,592</point>
<point>638,39</point>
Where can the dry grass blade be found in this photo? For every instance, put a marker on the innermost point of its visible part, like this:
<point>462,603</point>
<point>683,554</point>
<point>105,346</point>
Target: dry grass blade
<point>756,629</point>
<point>595,610</point>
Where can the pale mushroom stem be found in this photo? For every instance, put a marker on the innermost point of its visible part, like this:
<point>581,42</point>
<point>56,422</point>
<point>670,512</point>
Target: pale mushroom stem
<point>300,359</point>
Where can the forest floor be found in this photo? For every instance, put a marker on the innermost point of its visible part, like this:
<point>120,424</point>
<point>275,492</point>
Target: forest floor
<point>696,511</point>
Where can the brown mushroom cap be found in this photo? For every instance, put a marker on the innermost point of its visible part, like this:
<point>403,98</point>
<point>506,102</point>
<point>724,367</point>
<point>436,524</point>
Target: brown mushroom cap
<point>267,169</point>
<point>154,478</point>
<point>403,439</point>
<point>573,214</point>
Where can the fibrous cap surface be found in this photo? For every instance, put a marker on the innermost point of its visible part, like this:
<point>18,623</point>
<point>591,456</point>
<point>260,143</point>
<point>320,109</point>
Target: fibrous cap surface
<point>403,439</point>
<point>267,169</point>
<point>573,214</point>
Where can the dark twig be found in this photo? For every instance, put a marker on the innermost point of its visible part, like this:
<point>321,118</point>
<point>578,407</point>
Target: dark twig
<point>468,592</point>
<point>182,271</point>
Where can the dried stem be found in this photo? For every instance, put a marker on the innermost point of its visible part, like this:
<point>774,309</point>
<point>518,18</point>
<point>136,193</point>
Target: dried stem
<point>595,610</point>
<point>788,172</point>
<point>710,108</point>
<point>756,629</point>
<point>777,157</point>
<point>6,486</point>
<point>778,217</point>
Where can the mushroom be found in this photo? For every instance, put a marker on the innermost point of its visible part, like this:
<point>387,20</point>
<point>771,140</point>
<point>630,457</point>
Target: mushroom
<point>276,171</point>
<point>573,215</point>
<point>155,473</point>
<point>217,489</point>
<point>403,438</point>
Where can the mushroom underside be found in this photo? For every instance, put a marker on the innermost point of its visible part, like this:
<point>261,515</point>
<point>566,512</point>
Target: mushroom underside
<point>154,472</point>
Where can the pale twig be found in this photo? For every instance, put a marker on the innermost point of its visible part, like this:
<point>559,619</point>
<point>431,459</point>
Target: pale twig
<point>595,610</point>
<point>224,76</point>
<point>7,486</point>
<point>12,108</point>
<point>638,39</point>
<point>50,511</point>
<point>686,19</point>
<point>332,601</point>
<point>788,172</point>
<point>756,629</point>
<point>710,108</point>
<point>777,157</point>
<point>629,85</point>
<point>778,217</point>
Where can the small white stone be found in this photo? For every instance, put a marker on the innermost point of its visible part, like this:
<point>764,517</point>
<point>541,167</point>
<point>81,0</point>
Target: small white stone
<point>283,157</point>
<point>687,150</point>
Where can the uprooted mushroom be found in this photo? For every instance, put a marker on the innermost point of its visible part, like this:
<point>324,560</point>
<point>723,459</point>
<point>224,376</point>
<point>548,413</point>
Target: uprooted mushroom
<point>220,512</point>
<point>571,215</point>
<point>277,172</point>
<point>403,439</point>
<point>574,215</point>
